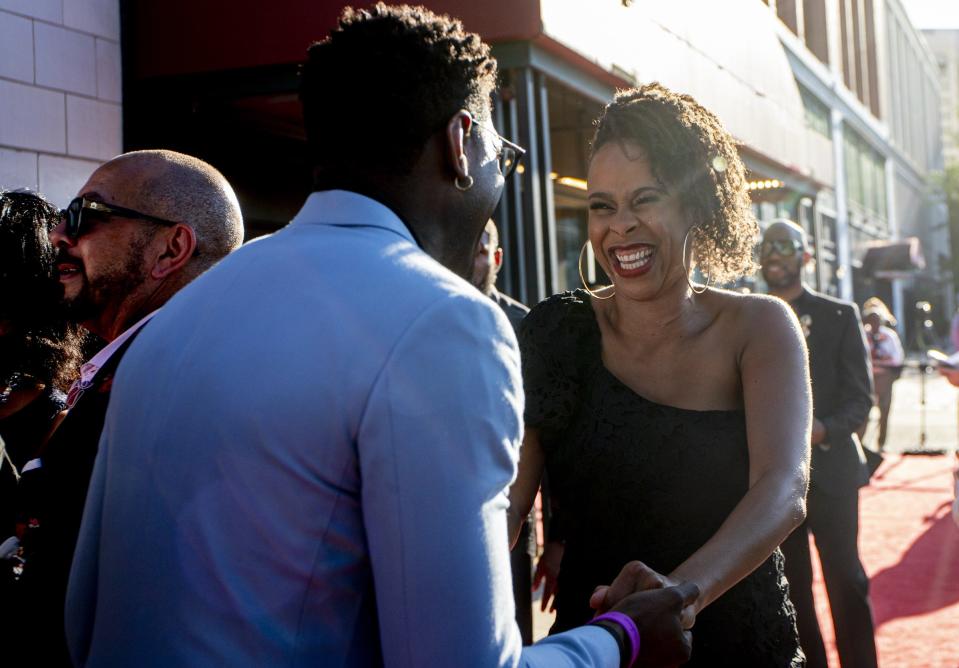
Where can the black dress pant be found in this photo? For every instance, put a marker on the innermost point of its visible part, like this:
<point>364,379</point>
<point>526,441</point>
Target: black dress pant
<point>521,563</point>
<point>833,521</point>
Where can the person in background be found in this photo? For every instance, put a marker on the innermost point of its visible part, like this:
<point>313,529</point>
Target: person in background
<point>885,351</point>
<point>842,398</point>
<point>145,224</point>
<point>486,266</point>
<point>40,354</point>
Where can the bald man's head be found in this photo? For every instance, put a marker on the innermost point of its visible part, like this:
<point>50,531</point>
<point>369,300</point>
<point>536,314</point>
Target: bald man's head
<point>783,254</point>
<point>144,225</point>
<point>180,188</point>
<point>783,227</point>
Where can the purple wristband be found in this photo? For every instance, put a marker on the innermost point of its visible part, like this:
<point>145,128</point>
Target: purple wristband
<point>631,631</point>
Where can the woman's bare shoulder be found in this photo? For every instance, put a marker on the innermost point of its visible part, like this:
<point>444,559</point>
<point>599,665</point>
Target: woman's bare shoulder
<point>753,315</point>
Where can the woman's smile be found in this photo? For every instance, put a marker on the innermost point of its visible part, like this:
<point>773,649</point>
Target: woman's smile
<point>632,260</point>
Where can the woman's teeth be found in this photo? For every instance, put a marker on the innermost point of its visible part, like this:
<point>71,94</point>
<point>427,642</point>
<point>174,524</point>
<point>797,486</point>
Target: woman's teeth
<point>634,259</point>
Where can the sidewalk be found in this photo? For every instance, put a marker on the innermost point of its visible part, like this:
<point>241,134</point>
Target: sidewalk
<point>905,416</point>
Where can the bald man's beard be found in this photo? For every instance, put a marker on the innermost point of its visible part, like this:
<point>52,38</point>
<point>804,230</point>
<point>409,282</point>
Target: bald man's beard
<point>108,288</point>
<point>791,275</point>
<point>486,282</point>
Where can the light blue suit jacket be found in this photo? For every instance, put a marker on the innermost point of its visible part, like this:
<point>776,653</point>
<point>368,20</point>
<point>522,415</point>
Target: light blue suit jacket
<point>305,463</point>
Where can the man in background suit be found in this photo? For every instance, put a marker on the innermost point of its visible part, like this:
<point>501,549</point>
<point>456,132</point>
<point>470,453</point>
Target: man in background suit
<point>486,266</point>
<point>842,397</point>
<point>144,225</point>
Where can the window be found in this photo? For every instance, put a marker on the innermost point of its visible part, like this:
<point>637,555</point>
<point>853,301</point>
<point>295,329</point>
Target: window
<point>817,113</point>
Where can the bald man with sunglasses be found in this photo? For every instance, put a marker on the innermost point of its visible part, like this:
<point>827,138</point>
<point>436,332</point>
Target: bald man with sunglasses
<point>143,226</point>
<point>842,397</point>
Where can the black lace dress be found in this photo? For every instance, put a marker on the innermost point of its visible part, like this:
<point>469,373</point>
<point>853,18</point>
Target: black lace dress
<point>638,480</point>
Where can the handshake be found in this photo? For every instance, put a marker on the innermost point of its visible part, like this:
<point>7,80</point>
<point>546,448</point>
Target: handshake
<point>662,611</point>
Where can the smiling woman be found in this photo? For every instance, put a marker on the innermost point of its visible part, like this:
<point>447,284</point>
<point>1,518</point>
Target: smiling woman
<point>648,402</point>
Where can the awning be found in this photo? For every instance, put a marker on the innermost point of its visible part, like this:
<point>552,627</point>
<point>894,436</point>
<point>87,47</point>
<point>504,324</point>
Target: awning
<point>893,259</point>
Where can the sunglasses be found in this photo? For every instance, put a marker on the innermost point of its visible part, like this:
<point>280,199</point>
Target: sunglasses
<point>73,214</point>
<point>509,154</point>
<point>783,248</point>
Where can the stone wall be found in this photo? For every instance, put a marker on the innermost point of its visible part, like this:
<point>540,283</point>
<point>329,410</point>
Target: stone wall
<point>60,93</point>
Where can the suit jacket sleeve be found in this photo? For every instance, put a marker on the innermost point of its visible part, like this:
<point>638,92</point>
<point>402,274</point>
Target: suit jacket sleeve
<point>855,378</point>
<point>438,446</point>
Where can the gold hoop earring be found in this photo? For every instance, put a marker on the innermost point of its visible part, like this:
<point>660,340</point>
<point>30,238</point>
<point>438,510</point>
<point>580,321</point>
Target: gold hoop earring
<point>463,188</point>
<point>687,269</point>
<point>579,265</point>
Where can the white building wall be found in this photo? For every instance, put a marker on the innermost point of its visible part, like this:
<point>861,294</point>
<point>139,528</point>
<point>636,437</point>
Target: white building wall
<point>60,93</point>
<point>740,73</point>
<point>945,46</point>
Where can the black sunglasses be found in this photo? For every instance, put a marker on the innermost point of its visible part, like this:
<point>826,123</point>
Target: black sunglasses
<point>73,214</point>
<point>784,247</point>
<point>509,154</point>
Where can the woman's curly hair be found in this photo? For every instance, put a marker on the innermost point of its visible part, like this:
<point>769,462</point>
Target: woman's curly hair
<point>694,157</point>
<point>37,342</point>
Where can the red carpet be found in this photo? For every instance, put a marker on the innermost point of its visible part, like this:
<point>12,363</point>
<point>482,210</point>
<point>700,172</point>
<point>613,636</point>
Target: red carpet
<point>910,548</point>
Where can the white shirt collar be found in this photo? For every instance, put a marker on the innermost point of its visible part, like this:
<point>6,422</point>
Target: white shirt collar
<point>90,369</point>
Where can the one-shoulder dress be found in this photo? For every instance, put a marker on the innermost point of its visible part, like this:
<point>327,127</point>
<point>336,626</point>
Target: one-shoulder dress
<point>640,480</point>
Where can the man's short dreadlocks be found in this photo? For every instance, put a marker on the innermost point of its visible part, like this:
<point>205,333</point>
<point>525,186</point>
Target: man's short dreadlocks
<point>384,81</point>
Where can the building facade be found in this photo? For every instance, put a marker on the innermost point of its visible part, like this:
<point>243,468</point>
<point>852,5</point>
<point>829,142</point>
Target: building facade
<point>869,86</point>
<point>835,104</point>
<point>60,93</point>
<point>944,45</point>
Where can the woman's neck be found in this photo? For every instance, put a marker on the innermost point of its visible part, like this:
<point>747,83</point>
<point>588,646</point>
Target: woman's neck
<point>669,316</point>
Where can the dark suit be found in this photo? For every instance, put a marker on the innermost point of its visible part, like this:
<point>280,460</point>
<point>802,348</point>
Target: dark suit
<point>521,557</point>
<point>842,397</point>
<point>53,497</point>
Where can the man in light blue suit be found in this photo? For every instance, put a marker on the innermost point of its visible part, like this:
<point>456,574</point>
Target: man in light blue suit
<point>307,452</point>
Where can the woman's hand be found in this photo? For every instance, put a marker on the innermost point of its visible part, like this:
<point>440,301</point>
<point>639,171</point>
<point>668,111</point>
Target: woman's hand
<point>547,571</point>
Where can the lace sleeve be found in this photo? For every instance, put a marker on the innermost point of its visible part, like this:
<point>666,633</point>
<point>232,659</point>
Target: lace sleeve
<point>551,346</point>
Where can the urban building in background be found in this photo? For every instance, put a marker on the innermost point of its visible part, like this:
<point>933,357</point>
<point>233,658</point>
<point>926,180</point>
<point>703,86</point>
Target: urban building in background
<point>60,92</point>
<point>945,47</point>
<point>836,103</point>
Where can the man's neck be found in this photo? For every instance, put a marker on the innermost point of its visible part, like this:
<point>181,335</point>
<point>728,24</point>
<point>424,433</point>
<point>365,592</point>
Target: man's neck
<point>788,293</point>
<point>111,323</point>
<point>417,206</point>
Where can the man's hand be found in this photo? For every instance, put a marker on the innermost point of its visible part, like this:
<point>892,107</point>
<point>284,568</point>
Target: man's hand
<point>657,612</point>
<point>547,571</point>
<point>636,577</point>
<point>818,432</point>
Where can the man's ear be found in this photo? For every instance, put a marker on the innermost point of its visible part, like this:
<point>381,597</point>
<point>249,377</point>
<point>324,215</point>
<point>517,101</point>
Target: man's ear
<point>498,258</point>
<point>178,250</point>
<point>458,129</point>
<point>806,257</point>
